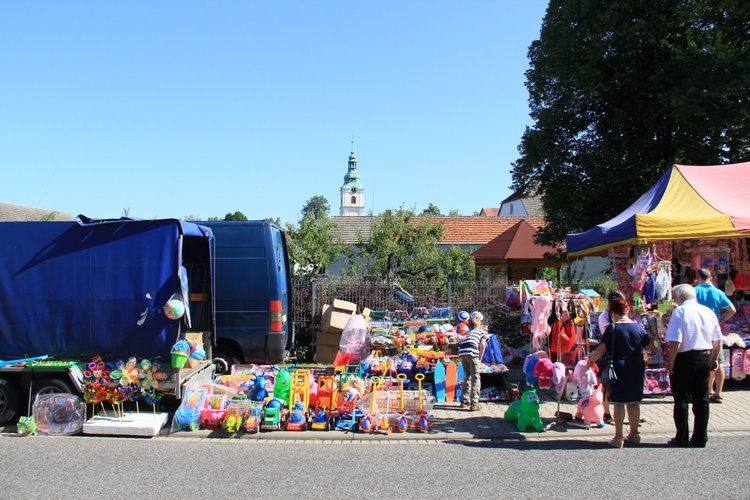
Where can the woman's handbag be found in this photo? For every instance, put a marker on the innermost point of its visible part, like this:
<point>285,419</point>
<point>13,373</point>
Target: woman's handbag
<point>609,376</point>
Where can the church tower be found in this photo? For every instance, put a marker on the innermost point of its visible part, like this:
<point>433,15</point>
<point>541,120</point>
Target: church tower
<point>352,192</point>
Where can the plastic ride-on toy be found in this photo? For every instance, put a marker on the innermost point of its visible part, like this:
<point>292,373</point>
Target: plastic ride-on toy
<point>297,421</point>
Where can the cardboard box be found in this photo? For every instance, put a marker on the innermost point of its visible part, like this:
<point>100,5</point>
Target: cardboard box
<point>326,353</point>
<point>336,315</point>
<point>328,339</point>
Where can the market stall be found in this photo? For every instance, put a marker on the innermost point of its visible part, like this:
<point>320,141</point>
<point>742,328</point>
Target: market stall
<point>692,217</point>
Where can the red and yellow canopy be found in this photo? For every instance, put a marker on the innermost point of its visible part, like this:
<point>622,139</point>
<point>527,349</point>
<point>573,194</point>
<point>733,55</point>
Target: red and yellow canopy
<point>688,202</point>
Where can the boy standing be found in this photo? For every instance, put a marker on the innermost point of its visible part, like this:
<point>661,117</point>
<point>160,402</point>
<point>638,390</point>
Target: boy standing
<point>470,352</point>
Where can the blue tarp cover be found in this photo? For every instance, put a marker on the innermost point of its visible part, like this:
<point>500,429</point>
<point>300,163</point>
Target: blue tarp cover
<point>78,289</point>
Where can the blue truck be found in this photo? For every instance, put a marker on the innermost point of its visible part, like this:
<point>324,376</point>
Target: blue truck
<point>70,291</point>
<point>253,299</point>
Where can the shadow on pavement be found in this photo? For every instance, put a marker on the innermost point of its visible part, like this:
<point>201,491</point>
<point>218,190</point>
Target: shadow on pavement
<point>553,444</point>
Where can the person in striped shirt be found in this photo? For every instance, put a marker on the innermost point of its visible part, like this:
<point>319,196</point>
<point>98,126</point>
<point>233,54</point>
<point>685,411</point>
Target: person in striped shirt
<point>470,352</point>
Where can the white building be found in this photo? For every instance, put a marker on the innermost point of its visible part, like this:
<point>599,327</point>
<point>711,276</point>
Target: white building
<point>352,192</point>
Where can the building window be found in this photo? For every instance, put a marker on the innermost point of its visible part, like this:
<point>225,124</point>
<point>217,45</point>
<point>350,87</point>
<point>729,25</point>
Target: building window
<point>354,200</point>
<point>511,209</point>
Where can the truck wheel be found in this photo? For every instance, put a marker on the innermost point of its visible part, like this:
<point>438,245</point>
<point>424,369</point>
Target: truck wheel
<point>49,385</point>
<point>10,402</point>
<point>223,360</point>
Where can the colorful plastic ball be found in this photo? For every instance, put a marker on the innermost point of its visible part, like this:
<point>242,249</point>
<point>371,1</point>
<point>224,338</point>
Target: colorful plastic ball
<point>174,309</point>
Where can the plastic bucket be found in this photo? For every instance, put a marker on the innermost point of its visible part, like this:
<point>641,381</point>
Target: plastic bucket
<point>179,359</point>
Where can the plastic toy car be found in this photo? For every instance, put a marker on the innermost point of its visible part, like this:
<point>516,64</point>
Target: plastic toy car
<point>252,418</point>
<point>440,313</point>
<point>399,315</point>
<point>420,313</point>
<point>297,421</point>
<point>271,419</point>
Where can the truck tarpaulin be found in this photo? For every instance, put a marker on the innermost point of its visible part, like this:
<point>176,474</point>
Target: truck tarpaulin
<point>78,289</point>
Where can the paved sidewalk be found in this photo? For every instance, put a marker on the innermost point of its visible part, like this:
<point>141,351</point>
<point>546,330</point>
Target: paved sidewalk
<point>451,422</point>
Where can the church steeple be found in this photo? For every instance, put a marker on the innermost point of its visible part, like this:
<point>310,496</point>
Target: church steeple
<point>352,192</point>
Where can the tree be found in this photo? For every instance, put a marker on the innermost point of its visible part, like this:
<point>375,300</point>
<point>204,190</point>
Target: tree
<point>402,245</point>
<point>431,210</point>
<point>276,221</point>
<point>235,216</point>
<point>621,90</point>
<point>317,205</point>
<point>456,264</point>
<point>311,247</point>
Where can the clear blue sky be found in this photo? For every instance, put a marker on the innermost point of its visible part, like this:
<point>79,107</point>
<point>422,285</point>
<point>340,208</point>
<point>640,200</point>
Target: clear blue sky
<point>178,108</point>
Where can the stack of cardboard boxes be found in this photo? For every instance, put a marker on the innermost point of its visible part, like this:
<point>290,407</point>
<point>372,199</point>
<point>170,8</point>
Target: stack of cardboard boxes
<point>335,317</point>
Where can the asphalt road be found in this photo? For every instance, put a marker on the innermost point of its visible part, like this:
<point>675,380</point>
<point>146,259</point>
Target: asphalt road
<point>93,467</point>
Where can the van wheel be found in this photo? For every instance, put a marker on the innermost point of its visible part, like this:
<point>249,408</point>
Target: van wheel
<point>10,402</point>
<point>223,360</point>
<point>49,385</point>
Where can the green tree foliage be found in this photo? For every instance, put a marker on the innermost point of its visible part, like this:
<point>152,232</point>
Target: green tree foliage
<point>431,210</point>
<point>276,221</point>
<point>311,246</point>
<point>456,264</point>
<point>317,205</point>
<point>235,216</point>
<point>402,245</point>
<point>620,90</point>
<point>49,216</point>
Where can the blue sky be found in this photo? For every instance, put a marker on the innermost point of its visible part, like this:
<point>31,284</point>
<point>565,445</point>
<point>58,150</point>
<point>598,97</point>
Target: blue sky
<point>180,108</point>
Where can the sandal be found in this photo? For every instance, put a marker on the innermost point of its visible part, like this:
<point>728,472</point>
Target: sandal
<point>635,439</point>
<point>609,420</point>
<point>475,408</point>
<point>715,399</point>
<point>616,442</point>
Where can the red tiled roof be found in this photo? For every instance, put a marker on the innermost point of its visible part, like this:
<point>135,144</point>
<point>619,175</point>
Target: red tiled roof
<point>489,212</point>
<point>460,230</point>
<point>517,242</point>
<point>463,230</point>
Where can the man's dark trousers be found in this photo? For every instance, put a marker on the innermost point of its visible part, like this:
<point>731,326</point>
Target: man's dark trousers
<point>689,382</point>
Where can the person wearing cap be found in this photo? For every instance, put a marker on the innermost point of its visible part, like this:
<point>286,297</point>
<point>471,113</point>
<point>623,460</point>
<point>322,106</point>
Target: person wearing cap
<point>708,295</point>
<point>470,352</point>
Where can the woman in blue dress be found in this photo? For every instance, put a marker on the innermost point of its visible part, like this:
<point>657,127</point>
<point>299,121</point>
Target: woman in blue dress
<point>627,392</point>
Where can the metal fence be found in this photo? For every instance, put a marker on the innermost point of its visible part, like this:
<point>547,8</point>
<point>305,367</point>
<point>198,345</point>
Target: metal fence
<point>310,296</point>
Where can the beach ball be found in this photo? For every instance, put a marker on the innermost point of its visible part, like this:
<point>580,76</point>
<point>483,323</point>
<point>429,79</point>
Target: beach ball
<point>174,309</point>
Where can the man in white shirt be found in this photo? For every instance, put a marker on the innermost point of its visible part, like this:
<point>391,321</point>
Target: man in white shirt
<point>694,340</point>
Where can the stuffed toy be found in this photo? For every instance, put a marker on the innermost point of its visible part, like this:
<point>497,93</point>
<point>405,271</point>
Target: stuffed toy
<point>528,369</point>
<point>525,412</point>
<point>590,408</point>
<point>585,377</point>
<point>558,376</point>
<point>543,372</point>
